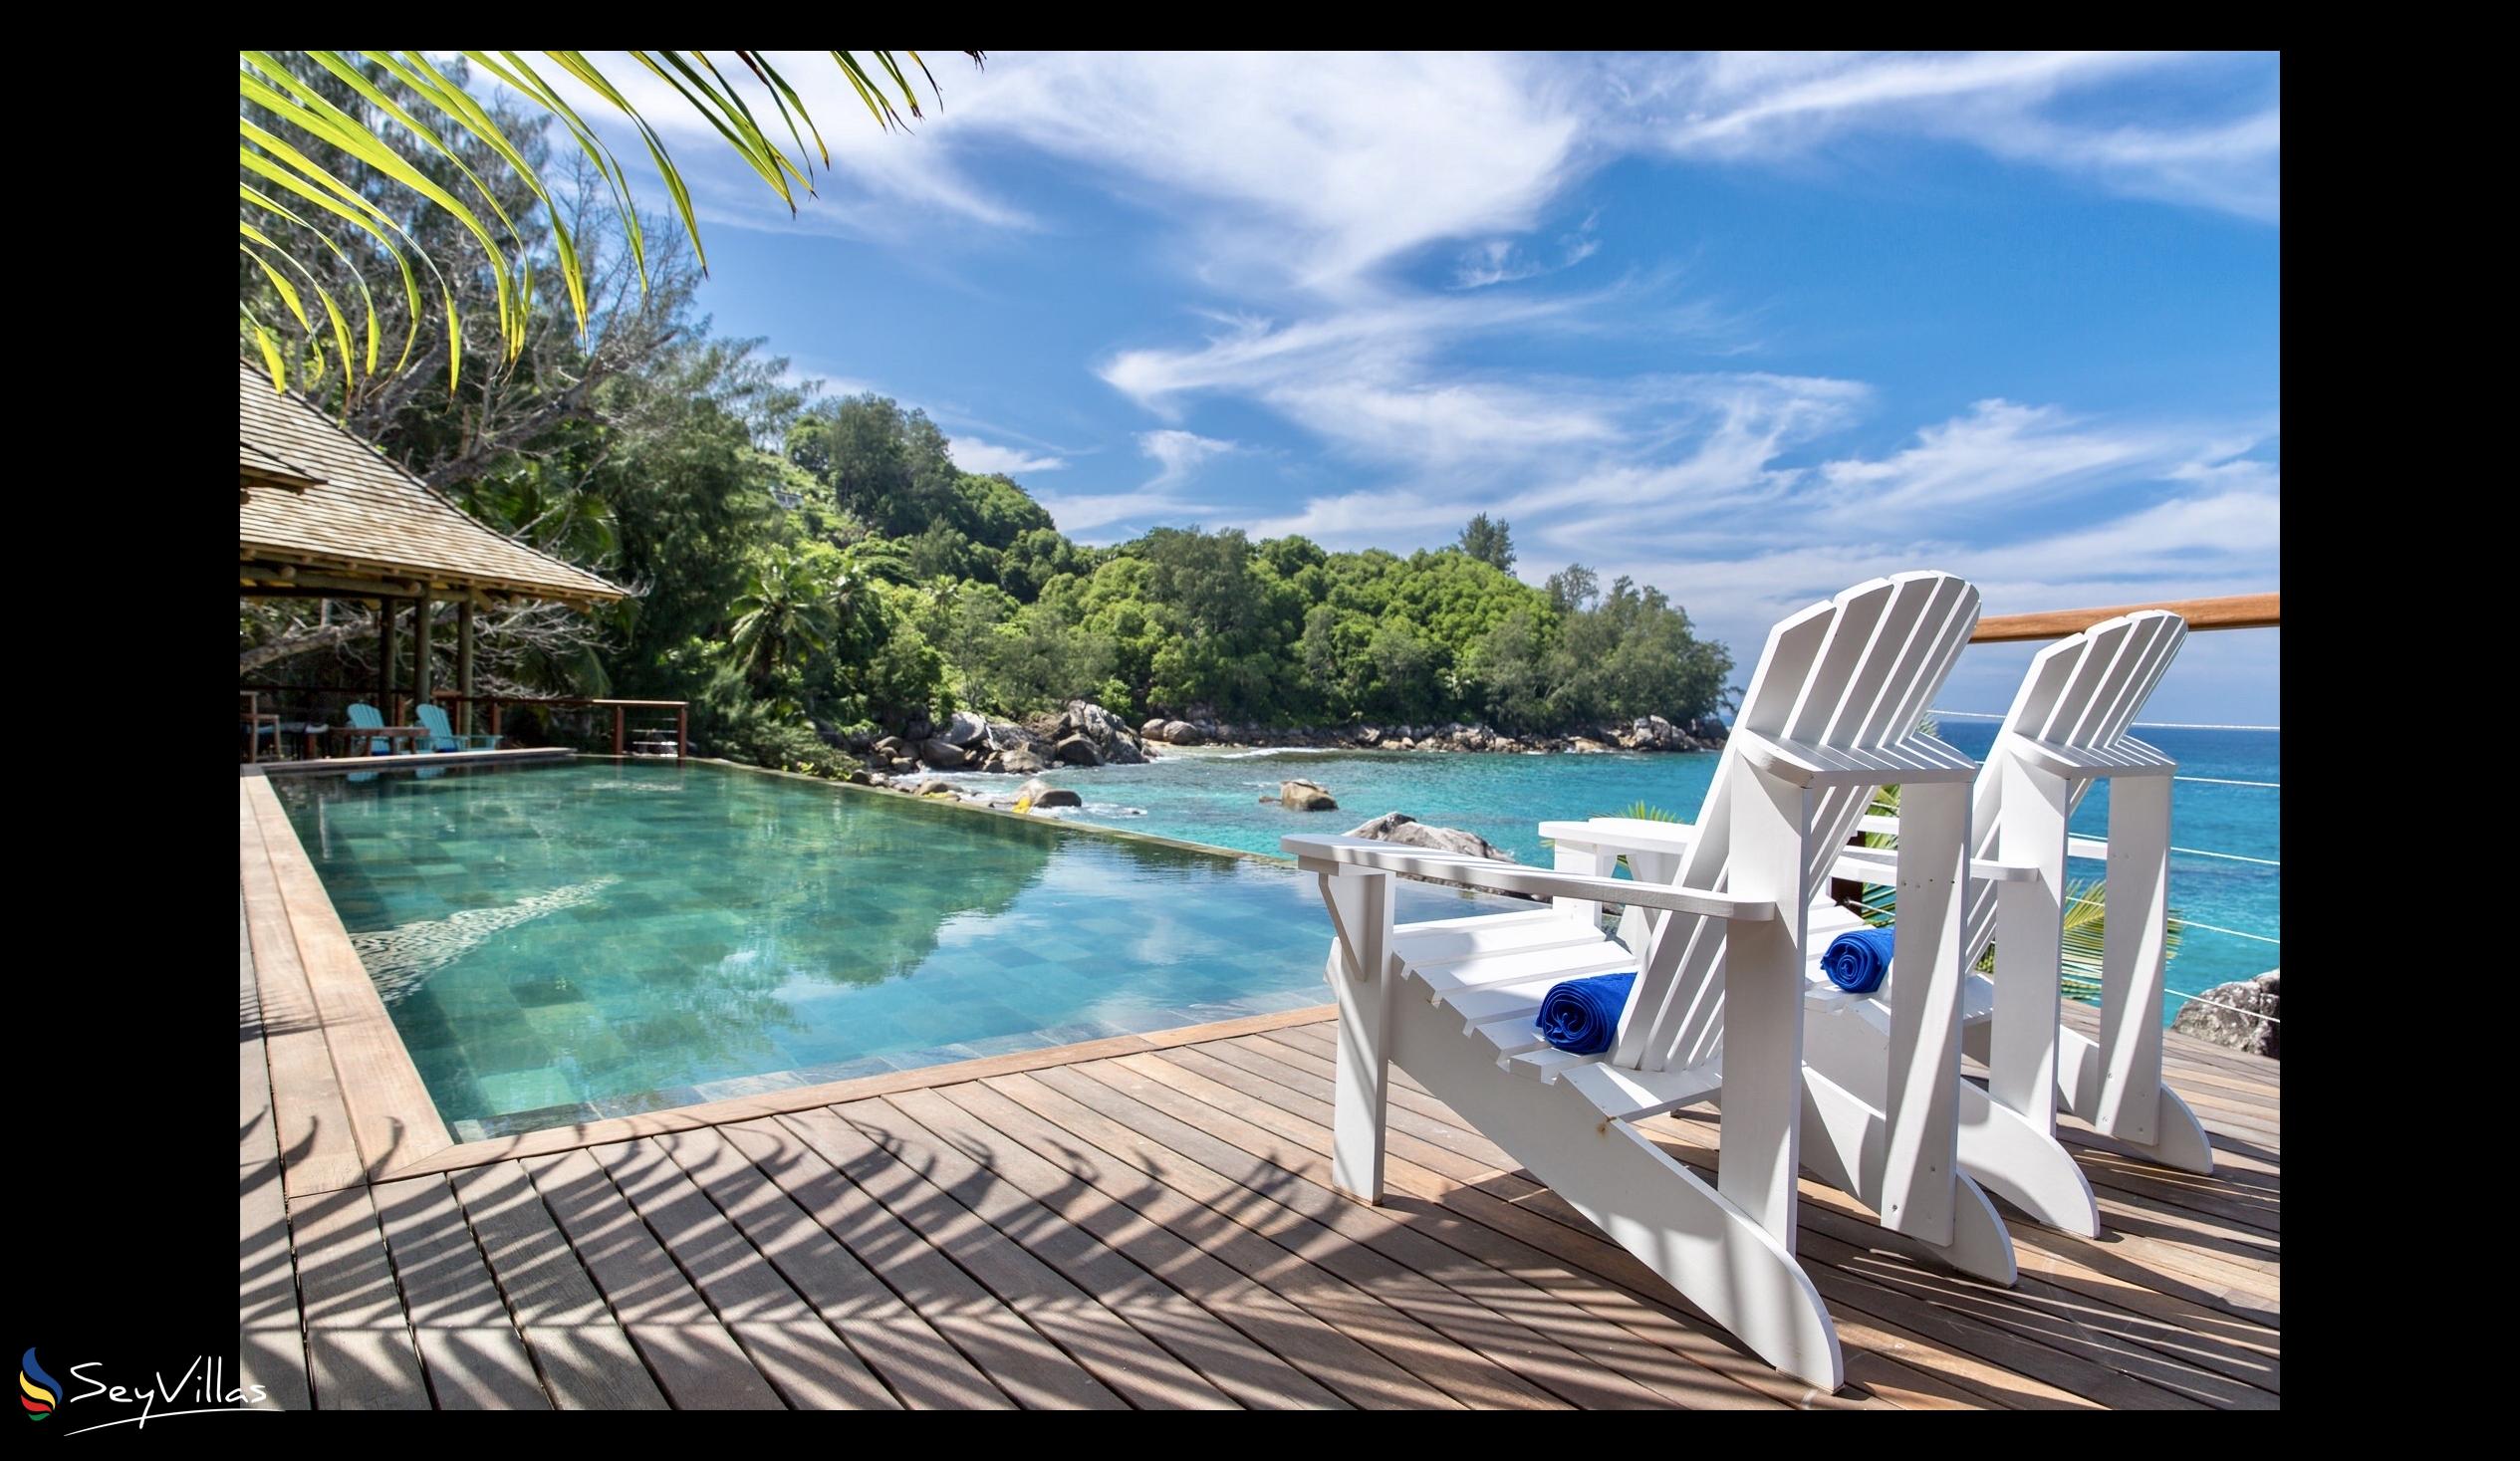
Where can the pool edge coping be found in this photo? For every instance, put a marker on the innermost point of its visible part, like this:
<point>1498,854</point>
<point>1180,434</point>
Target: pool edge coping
<point>393,1126</point>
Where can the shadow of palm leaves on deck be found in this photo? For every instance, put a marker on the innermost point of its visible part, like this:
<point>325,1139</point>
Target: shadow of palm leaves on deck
<point>1150,1230</point>
<point>254,1022</point>
<point>2090,1349</point>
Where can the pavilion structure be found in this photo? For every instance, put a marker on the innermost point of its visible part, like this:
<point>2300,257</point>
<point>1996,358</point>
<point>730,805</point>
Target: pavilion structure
<point>324,514</point>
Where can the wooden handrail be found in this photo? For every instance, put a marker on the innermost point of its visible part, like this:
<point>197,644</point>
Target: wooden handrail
<point>621,728</point>
<point>2237,612</point>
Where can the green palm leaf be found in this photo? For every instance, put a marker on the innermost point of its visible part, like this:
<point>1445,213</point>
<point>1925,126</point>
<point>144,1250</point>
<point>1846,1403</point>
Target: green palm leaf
<point>408,110</point>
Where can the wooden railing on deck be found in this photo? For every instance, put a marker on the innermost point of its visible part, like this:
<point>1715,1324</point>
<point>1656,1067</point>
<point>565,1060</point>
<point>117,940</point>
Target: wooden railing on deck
<point>621,745</point>
<point>2238,611</point>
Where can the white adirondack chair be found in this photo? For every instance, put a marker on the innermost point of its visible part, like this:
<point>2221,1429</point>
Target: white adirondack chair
<point>2067,731</point>
<point>1717,932</point>
<point>2067,728</point>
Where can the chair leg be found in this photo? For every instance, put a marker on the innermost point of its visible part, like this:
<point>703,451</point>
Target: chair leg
<point>1361,910</point>
<point>2134,952</point>
<point>1719,1257</point>
<point>2179,1141</point>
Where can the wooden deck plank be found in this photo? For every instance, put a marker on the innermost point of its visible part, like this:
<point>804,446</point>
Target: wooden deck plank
<point>694,1359</point>
<point>1922,1346</point>
<point>1193,1204</point>
<point>1341,1285</point>
<point>1306,1093</point>
<point>1492,1312</point>
<point>359,1340</point>
<point>1497,1233</point>
<point>804,1358</point>
<point>1017,1357</point>
<point>317,1150</point>
<point>586,1360</point>
<point>1057,1172</point>
<point>2178,1328</point>
<point>1149,1221</point>
<point>1228,1359</point>
<point>916,1364</point>
<point>271,1341</point>
<point>393,1120</point>
<point>853,1138</point>
<point>476,1360</point>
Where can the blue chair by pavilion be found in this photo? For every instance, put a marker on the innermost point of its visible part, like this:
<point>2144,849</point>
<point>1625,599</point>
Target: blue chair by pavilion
<point>442,737</point>
<point>365,717</point>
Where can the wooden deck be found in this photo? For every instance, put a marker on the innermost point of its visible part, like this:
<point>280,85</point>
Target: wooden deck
<point>1153,1227</point>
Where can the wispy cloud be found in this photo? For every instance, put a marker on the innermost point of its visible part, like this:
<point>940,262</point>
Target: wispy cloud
<point>1178,453</point>
<point>975,455</point>
<point>1105,516</point>
<point>2048,107</point>
<point>1508,261</point>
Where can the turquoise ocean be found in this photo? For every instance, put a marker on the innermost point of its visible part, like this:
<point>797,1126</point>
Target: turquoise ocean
<point>2226,888</point>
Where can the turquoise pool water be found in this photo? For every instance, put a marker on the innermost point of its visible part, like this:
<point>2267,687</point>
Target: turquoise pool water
<point>565,942</point>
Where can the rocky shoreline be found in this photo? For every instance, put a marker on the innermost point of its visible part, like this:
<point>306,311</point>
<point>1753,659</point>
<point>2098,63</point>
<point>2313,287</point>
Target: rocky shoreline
<point>2246,1013</point>
<point>1086,734</point>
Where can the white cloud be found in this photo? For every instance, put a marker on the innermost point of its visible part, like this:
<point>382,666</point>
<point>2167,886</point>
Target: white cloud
<point>2031,106</point>
<point>974,455</point>
<point>1314,168</point>
<point>1099,517</point>
<point>1999,449</point>
<point>1178,453</point>
<point>1109,517</point>
<point>1318,170</point>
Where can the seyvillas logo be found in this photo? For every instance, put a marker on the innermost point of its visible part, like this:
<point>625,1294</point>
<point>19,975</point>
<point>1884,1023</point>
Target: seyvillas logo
<point>37,1392</point>
<point>200,1388</point>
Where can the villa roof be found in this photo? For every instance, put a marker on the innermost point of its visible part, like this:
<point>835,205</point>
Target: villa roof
<point>348,520</point>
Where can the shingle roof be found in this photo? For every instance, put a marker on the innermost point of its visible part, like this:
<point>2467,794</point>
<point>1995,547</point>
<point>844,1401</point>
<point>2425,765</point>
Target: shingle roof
<point>256,467</point>
<point>359,515</point>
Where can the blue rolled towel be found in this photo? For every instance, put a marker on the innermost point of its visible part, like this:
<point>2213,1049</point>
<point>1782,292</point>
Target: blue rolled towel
<point>1855,962</point>
<point>1580,1016</point>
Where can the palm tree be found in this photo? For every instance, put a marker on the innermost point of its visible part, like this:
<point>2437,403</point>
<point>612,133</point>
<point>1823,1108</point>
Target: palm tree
<point>784,615</point>
<point>410,118</point>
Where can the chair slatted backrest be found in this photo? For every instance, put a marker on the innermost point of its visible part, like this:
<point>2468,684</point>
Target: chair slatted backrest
<point>366,717</point>
<point>2082,692</point>
<point>441,731</point>
<point>1851,675</point>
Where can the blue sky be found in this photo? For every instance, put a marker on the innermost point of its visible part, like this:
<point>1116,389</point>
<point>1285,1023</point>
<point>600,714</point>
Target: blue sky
<point>1751,328</point>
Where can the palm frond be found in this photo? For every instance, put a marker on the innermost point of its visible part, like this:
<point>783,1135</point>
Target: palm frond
<point>402,127</point>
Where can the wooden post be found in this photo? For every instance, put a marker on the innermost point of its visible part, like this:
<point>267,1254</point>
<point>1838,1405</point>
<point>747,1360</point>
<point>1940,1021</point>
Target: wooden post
<point>494,717</point>
<point>424,667</point>
<point>386,650</point>
<point>682,731</point>
<point>463,662</point>
<point>617,730</point>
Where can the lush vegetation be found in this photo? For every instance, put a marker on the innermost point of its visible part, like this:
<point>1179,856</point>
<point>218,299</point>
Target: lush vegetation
<point>805,563</point>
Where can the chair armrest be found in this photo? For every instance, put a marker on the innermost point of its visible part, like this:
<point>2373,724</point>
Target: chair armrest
<point>1880,866</point>
<point>1994,869</point>
<point>1364,855</point>
<point>1622,835</point>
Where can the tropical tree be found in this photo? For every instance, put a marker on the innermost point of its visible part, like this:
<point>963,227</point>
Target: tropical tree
<point>782,617</point>
<point>420,134</point>
<point>856,603</point>
<point>1491,541</point>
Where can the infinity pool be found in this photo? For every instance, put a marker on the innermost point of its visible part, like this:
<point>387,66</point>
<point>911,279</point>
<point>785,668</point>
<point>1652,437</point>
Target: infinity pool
<point>566,942</point>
